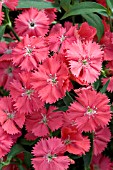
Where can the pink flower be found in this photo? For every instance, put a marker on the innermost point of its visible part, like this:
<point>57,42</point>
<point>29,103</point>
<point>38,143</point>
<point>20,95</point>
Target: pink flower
<point>51,80</point>
<point>48,155</point>
<point>5,142</point>
<point>85,60</point>
<point>10,3</point>
<point>6,50</point>
<point>7,73</point>
<point>60,37</point>
<point>101,139</point>
<point>75,142</point>
<point>90,111</point>
<point>101,162</point>
<point>110,85</point>
<point>1,13</point>
<point>29,52</point>
<point>32,22</point>
<point>41,121</point>
<point>25,97</point>
<point>11,120</point>
<point>51,14</point>
<point>88,33</point>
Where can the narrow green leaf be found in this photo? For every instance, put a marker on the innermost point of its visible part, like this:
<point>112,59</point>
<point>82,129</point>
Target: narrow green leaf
<point>67,99</point>
<point>110,4</point>
<point>97,84</point>
<point>16,149</point>
<point>88,156</point>
<point>104,88</point>
<point>84,8</point>
<point>95,21</point>
<point>20,167</point>
<point>2,30</point>
<point>36,4</point>
<point>23,141</point>
<point>27,159</point>
<point>65,4</point>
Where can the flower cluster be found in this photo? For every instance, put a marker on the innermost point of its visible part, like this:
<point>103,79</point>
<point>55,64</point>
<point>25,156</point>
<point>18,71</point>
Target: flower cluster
<point>53,82</point>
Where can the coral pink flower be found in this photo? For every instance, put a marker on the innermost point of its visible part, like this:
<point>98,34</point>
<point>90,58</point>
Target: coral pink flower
<point>25,97</point>
<point>48,154</point>
<point>60,37</point>
<point>75,142</point>
<point>10,119</point>
<point>7,73</point>
<point>5,142</point>
<point>30,136</point>
<point>101,139</point>
<point>41,121</point>
<point>32,22</point>
<point>83,58</point>
<point>6,50</point>
<point>29,52</point>
<point>51,80</point>
<point>11,3</point>
<point>51,14</point>
<point>90,113</point>
<point>1,13</point>
<point>101,162</point>
<point>88,33</point>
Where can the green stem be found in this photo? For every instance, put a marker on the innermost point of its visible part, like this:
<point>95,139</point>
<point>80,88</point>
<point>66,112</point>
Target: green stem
<point>14,33</point>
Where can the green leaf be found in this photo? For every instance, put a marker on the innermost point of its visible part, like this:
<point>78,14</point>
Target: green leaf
<point>20,167</point>
<point>104,88</point>
<point>2,30</point>
<point>65,4</point>
<point>84,8</point>
<point>97,84</point>
<point>27,159</point>
<point>36,4</point>
<point>67,99</point>
<point>95,21</point>
<point>88,156</point>
<point>16,149</point>
<point>110,4</point>
<point>23,141</point>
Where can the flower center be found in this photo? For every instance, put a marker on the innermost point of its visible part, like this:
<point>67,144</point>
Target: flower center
<point>28,92</point>
<point>91,111</point>
<point>52,79</point>
<point>32,24</point>
<point>8,51</point>
<point>84,62</point>
<point>28,50</point>
<point>44,119</point>
<point>10,115</point>
<point>49,157</point>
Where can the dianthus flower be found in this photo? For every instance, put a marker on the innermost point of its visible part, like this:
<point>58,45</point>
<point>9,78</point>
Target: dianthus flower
<point>85,60</point>
<point>88,33</point>
<point>1,13</point>
<point>5,142</point>
<point>48,155</point>
<point>90,111</point>
<point>29,52</point>
<point>7,72</point>
<point>25,97</point>
<point>75,142</point>
<point>60,37</point>
<point>101,138</point>
<point>109,72</point>
<point>6,50</point>
<point>10,3</point>
<point>10,120</point>
<point>32,22</point>
<point>41,121</point>
<point>101,162</point>
<point>51,80</point>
